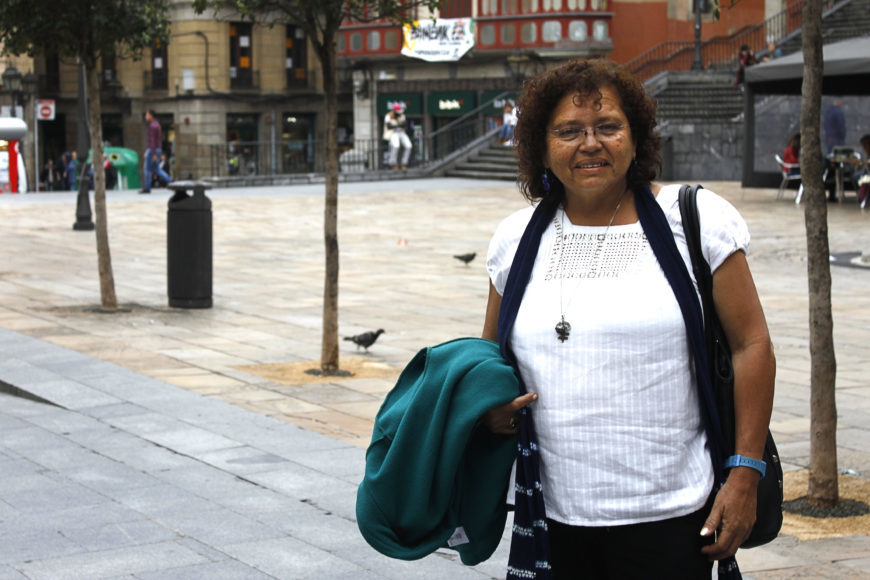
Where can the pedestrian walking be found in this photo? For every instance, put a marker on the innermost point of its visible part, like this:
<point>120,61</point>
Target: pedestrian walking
<point>153,150</point>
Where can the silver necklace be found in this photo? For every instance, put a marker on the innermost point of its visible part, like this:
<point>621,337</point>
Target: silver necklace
<point>563,327</point>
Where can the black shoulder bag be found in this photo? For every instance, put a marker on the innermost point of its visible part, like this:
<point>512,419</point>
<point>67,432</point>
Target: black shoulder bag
<point>768,516</point>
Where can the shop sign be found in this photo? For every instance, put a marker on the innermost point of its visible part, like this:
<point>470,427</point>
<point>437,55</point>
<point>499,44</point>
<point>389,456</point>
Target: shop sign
<point>438,40</point>
<point>452,104</point>
<point>412,103</point>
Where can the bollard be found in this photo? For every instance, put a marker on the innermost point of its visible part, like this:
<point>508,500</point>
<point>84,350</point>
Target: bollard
<point>189,246</point>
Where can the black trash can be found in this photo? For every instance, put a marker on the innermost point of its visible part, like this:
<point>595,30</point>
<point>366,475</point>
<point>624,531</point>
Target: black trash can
<point>189,246</point>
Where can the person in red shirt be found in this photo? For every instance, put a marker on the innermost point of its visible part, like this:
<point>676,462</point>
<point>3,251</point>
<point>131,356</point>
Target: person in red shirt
<point>792,153</point>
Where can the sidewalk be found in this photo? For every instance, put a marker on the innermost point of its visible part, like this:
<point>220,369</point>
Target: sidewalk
<point>166,456</point>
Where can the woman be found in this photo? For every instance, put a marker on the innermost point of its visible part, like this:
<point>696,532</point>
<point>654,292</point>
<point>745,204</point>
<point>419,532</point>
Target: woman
<point>627,480</point>
<point>508,122</point>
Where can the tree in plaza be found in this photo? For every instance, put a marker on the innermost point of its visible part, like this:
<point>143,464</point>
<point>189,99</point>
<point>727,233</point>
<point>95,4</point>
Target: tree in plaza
<point>86,31</point>
<point>823,487</point>
<point>320,20</point>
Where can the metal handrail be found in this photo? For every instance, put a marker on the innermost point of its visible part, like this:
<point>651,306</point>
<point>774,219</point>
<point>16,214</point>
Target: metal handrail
<point>253,158</point>
<point>721,52</point>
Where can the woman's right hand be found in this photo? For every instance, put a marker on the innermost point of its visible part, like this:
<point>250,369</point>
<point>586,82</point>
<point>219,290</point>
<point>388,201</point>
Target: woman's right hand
<point>505,419</point>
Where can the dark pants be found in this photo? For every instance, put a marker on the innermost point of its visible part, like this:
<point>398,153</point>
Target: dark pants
<point>666,549</point>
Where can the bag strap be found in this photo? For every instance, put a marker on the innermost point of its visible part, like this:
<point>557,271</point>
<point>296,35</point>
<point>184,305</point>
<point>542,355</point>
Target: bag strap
<point>688,199</point>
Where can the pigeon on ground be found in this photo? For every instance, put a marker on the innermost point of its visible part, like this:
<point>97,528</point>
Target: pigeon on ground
<point>466,257</point>
<point>366,339</point>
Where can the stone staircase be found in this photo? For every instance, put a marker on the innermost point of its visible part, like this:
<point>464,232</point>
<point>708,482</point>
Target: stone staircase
<point>847,20</point>
<point>492,162</point>
<point>695,96</point>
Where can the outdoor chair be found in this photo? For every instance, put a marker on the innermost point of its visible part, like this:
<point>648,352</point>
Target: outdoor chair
<point>788,178</point>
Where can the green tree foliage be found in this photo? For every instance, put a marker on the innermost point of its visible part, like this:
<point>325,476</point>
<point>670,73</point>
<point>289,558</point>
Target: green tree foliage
<point>84,31</point>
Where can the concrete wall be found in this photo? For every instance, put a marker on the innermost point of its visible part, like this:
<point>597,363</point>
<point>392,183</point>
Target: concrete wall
<point>702,152</point>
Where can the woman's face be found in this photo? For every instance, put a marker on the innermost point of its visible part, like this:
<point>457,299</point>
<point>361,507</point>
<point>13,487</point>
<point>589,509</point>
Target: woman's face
<point>595,162</point>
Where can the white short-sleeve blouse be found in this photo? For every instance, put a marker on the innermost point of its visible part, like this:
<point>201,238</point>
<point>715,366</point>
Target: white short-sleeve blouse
<point>617,418</point>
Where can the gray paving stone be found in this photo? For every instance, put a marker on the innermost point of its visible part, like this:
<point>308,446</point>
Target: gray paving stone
<point>135,451</point>
<point>290,558</point>
<point>226,569</point>
<point>160,500</point>
<point>347,463</point>
<point>59,422</point>
<point>146,423</point>
<point>19,546</point>
<point>190,440</point>
<point>241,460</point>
<point>205,481</point>
<point>70,394</point>
<point>147,558</point>
<point>41,493</point>
<point>216,527</point>
<point>106,412</point>
<point>300,481</point>
<point>9,573</point>
<point>106,476</point>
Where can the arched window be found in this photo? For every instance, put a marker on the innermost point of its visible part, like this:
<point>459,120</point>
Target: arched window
<point>356,42</point>
<point>508,33</point>
<point>577,31</point>
<point>374,41</point>
<point>391,39</point>
<point>528,33</point>
<point>487,34</point>
<point>600,31</point>
<point>551,31</point>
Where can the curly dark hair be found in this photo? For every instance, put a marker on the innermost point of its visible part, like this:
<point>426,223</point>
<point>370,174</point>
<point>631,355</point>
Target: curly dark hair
<point>542,93</point>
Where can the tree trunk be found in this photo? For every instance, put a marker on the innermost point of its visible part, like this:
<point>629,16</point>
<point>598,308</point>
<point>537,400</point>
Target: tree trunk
<point>108,300</point>
<point>329,344</point>
<point>823,488</point>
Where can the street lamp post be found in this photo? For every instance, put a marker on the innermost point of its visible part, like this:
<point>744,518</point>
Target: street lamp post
<point>699,6</point>
<point>28,84</point>
<point>84,222</point>
<point>518,65</point>
<point>12,82</point>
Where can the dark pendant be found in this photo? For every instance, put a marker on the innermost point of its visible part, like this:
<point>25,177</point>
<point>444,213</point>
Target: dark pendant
<point>563,330</point>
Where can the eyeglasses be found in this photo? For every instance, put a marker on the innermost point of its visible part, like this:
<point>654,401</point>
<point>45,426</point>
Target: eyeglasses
<point>601,133</point>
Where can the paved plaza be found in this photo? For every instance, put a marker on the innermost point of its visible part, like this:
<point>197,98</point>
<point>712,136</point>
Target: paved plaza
<point>151,443</point>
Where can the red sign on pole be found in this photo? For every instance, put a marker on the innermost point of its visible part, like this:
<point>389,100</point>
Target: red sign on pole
<point>45,109</point>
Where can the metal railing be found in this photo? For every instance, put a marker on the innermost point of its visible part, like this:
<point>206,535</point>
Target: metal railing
<point>720,51</point>
<point>252,158</point>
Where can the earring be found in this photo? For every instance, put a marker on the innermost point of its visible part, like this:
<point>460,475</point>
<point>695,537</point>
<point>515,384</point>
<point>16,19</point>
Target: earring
<point>545,180</point>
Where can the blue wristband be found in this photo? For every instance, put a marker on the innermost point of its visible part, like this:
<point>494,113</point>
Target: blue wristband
<point>741,461</point>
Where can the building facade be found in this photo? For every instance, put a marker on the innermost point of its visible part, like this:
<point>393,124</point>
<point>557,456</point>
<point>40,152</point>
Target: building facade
<point>235,97</point>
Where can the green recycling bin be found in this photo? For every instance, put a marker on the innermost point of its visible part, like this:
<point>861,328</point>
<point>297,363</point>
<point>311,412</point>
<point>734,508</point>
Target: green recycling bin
<point>126,161</point>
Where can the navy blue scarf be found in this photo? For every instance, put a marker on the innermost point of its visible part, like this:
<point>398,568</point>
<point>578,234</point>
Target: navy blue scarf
<point>530,550</point>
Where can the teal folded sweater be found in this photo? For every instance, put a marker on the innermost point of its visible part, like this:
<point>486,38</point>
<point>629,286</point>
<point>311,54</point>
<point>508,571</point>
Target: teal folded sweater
<point>435,476</point>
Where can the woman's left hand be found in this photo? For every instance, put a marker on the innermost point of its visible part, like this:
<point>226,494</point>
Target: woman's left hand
<point>733,513</point>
